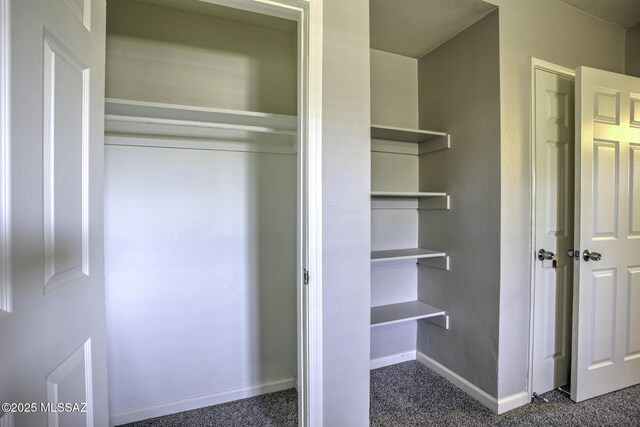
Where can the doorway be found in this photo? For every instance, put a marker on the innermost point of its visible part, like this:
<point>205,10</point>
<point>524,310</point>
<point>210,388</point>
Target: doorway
<point>603,325</point>
<point>211,182</point>
<point>553,146</point>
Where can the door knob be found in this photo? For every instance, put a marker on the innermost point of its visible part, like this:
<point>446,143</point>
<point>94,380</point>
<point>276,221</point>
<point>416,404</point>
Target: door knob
<point>587,255</point>
<point>545,255</point>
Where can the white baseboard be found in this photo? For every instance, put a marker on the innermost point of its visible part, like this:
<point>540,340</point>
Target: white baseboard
<point>498,406</point>
<point>172,407</point>
<point>381,362</point>
<point>513,401</point>
<point>6,419</point>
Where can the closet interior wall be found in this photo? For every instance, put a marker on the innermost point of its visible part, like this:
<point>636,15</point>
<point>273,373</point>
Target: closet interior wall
<point>394,102</point>
<point>200,218</point>
<point>460,92</point>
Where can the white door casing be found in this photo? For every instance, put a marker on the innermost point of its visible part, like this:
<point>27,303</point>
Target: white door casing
<point>53,342</point>
<point>553,229</point>
<point>6,299</point>
<point>606,304</point>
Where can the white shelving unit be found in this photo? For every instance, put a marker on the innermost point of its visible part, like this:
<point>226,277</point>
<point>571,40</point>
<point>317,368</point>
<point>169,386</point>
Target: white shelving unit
<point>426,140</point>
<point>402,312</point>
<point>403,134</point>
<point>392,145</point>
<point>410,253</point>
<point>129,116</point>
<point>410,200</point>
<point>153,124</point>
<point>407,194</point>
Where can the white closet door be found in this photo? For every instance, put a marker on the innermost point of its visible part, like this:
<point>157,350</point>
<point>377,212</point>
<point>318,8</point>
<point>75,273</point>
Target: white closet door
<point>53,346</point>
<point>606,321</point>
<point>554,147</point>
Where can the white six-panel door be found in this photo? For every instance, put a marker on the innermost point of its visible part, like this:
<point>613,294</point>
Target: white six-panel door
<point>606,319</point>
<point>554,159</point>
<point>52,340</point>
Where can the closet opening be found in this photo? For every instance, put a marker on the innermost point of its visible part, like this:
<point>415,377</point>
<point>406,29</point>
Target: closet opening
<point>435,189</point>
<point>206,206</point>
<point>553,188</point>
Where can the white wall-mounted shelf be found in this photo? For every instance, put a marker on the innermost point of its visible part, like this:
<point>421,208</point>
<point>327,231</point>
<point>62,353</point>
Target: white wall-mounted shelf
<point>427,141</point>
<point>151,124</point>
<point>150,118</point>
<point>405,311</point>
<point>407,194</point>
<point>410,200</point>
<point>410,253</point>
<point>403,134</point>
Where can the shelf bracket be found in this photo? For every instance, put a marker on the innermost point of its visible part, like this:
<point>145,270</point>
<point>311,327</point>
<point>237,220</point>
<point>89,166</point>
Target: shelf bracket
<point>435,203</point>
<point>442,321</point>
<point>441,263</point>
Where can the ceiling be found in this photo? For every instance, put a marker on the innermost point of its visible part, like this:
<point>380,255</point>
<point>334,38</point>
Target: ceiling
<point>625,13</point>
<point>415,27</point>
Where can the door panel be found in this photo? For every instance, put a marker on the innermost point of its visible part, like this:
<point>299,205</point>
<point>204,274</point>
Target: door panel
<point>605,189</point>
<point>53,347</point>
<point>554,154</point>
<point>632,347</point>
<point>603,292</point>
<point>65,186</point>
<point>634,190</point>
<point>607,194</point>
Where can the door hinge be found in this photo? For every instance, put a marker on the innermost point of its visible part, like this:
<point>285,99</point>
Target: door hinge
<point>306,276</point>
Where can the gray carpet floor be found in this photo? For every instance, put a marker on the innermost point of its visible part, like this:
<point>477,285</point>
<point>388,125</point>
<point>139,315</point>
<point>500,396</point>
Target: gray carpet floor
<point>278,409</point>
<point>410,394</point>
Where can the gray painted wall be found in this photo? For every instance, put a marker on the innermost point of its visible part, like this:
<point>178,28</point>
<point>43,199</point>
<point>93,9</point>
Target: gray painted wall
<point>346,218</point>
<point>460,93</point>
<point>632,51</point>
<point>570,38</point>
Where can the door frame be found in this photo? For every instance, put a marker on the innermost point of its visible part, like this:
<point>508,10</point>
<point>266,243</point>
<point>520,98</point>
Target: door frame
<point>536,64</point>
<point>6,300</point>
<point>308,15</point>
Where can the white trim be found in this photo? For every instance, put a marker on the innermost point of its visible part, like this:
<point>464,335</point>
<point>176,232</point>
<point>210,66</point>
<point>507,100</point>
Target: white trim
<point>6,419</point>
<point>469,388</point>
<point>536,64</point>
<point>539,64</point>
<point>394,359</point>
<point>6,298</point>
<point>498,406</point>
<point>172,407</point>
<point>513,401</point>
<point>314,217</point>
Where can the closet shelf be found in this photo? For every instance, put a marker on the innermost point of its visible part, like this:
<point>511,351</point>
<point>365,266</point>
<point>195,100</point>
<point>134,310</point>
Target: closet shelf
<point>407,194</point>
<point>403,134</point>
<point>411,253</point>
<point>404,311</point>
<point>151,118</point>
